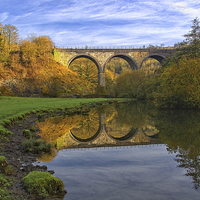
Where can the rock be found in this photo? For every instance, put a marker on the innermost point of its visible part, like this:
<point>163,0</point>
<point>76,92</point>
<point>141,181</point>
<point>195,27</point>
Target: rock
<point>21,168</point>
<point>51,171</point>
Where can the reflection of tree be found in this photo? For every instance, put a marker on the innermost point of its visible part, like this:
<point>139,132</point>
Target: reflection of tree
<point>132,115</point>
<point>87,127</point>
<point>192,164</point>
<point>47,157</point>
<point>53,128</point>
<point>180,130</point>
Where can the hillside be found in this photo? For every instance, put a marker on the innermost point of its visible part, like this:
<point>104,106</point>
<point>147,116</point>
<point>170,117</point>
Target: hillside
<point>28,68</point>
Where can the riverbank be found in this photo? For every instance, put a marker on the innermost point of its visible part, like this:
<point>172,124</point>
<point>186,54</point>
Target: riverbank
<point>19,114</point>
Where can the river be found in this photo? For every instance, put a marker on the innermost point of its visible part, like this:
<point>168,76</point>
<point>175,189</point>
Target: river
<point>126,151</point>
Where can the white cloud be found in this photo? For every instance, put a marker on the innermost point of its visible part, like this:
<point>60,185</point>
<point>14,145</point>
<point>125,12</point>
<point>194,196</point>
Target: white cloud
<point>104,22</point>
<point>4,16</point>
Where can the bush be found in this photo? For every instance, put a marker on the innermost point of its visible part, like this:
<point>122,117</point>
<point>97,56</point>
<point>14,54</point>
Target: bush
<point>4,133</point>
<point>36,146</point>
<point>3,164</point>
<point>42,183</point>
<point>5,184</point>
<point>26,133</point>
<point>33,129</point>
<point>4,91</point>
<point>130,84</point>
<point>101,91</point>
<point>178,85</point>
<point>4,167</point>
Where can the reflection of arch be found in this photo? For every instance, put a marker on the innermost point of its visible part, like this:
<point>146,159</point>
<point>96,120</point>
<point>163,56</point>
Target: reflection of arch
<point>88,139</point>
<point>129,59</point>
<point>85,56</point>
<point>128,136</point>
<point>152,136</point>
<point>159,58</point>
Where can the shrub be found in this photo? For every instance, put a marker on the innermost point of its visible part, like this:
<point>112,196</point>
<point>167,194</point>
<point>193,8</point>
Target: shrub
<point>5,91</point>
<point>41,117</point>
<point>33,136</point>
<point>9,170</point>
<point>178,85</point>
<point>101,91</point>
<point>33,129</point>
<point>3,164</point>
<point>5,184</point>
<point>42,183</point>
<point>4,133</point>
<point>36,146</point>
<point>26,133</point>
<point>131,84</point>
<point>4,167</point>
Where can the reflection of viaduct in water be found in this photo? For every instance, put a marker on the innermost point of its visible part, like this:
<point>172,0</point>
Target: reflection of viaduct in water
<point>102,137</point>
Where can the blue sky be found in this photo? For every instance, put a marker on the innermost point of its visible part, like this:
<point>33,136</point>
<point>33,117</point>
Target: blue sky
<point>77,23</point>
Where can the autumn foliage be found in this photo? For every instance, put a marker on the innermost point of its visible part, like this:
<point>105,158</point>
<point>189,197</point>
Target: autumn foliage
<point>28,68</point>
<point>176,84</point>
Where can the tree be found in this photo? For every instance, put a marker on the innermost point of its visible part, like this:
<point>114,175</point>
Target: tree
<point>193,39</point>
<point>177,84</point>
<point>28,52</point>
<point>130,84</point>
<point>86,69</point>
<point>11,35</point>
<point>44,46</point>
<point>194,34</point>
<point>8,42</point>
<point>191,45</point>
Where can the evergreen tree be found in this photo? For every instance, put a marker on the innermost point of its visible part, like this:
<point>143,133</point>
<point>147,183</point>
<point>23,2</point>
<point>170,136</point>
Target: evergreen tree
<point>193,39</point>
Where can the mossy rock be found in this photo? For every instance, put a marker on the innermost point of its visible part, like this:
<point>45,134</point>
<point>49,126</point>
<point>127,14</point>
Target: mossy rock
<point>3,164</point>
<point>43,184</point>
<point>4,167</point>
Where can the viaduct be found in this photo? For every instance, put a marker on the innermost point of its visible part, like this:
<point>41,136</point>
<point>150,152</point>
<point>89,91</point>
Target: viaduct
<point>100,56</point>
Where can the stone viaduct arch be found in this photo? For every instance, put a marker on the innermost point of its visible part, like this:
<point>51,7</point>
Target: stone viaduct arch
<point>159,58</point>
<point>94,60</point>
<point>135,57</point>
<point>128,58</point>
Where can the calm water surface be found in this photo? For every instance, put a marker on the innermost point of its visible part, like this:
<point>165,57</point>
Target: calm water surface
<point>126,152</point>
